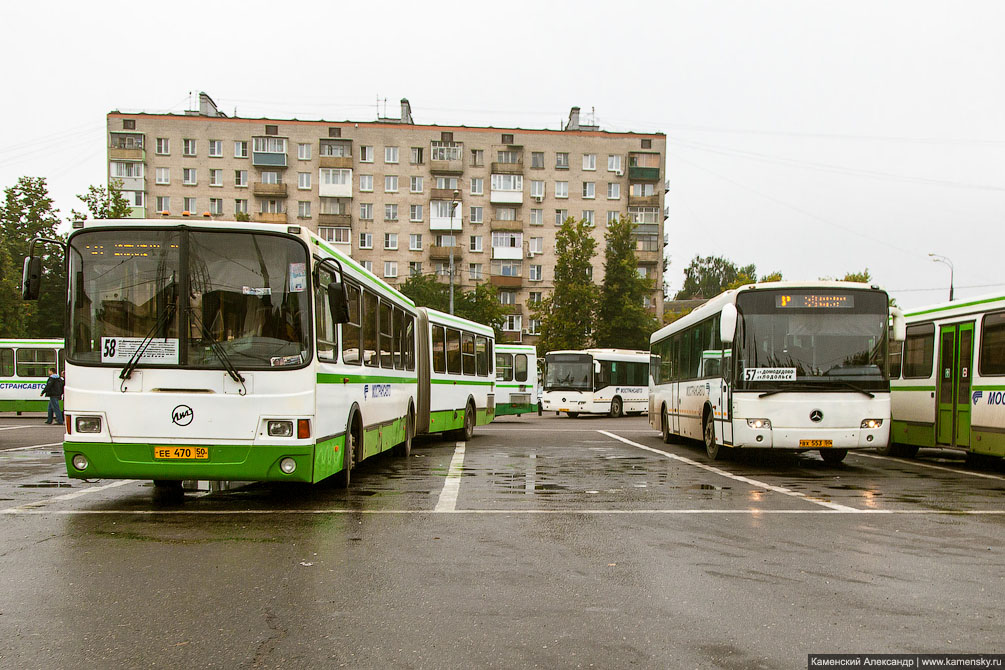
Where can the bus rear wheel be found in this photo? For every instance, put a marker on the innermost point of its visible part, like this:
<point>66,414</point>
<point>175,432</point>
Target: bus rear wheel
<point>464,433</point>
<point>616,407</point>
<point>168,490</point>
<point>833,455</point>
<point>572,415</point>
<point>404,449</point>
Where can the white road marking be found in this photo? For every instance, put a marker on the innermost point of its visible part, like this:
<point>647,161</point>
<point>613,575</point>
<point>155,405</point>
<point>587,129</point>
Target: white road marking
<point>739,478</point>
<point>452,484</point>
<point>20,509</point>
<point>922,464</point>
<point>27,425</point>
<point>25,510</point>
<point>34,446</point>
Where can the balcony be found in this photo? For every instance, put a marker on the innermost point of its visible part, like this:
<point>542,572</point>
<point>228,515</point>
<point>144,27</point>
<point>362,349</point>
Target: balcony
<point>117,154</point>
<point>506,281</point>
<point>644,200</point>
<point>513,309</point>
<point>264,190</point>
<point>506,197</point>
<point>636,173</point>
<point>498,224</point>
<point>445,223</point>
<point>455,166</point>
<point>441,253</point>
<point>648,257</point>
<point>507,253</point>
<point>268,159</point>
<point>444,194</point>
<point>269,217</point>
<point>341,162</point>
<point>334,219</point>
<point>507,168</point>
<point>132,183</point>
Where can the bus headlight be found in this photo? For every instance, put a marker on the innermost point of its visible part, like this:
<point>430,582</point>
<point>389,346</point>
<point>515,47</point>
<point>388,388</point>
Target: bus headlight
<point>759,423</point>
<point>287,465</point>
<point>88,424</point>
<point>280,429</point>
<point>79,461</point>
<point>872,423</point>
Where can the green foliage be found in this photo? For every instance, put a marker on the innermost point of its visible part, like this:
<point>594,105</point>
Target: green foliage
<point>482,305</point>
<point>772,276</point>
<point>863,277</point>
<point>427,291</point>
<point>622,320</point>
<point>243,217</point>
<point>670,317</point>
<point>567,314</point>
<point>103,203</point>
<point>27,212</point>
<point>709,276</point>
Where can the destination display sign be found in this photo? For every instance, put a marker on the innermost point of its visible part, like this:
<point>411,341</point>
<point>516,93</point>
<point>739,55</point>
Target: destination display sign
<point>814,301</point>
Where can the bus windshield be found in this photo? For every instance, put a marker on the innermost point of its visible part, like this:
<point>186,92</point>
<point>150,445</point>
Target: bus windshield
<point>188,290</point>
<point>572,372</point>
<point>820,337</point>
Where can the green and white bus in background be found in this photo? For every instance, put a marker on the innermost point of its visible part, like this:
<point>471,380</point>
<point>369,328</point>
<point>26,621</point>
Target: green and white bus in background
<point>456,374</point>
<point>778,365</point>
<point>516,379</point>
<point>948,379</point>
<point>596,381</point>
<point>213,350</point>
<point>24,368</point>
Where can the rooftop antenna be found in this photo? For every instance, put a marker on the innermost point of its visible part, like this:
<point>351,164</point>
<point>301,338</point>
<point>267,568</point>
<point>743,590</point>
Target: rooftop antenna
<point>378,105</point>
<point>593,115</point>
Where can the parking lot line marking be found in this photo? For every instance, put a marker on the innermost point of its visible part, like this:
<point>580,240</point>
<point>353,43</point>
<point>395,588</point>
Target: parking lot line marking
<point>447,501</point>
<point>24,510</point>
<point>739,478</point>
<point>34,446</point>
<point>66,496</point>
<point>27,425</point>
<point>922,464</point>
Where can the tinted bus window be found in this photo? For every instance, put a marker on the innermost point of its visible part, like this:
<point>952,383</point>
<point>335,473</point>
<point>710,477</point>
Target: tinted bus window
<point>520,367</point>
<point>409,342</point>
<point>370,304</point>
<point>504,367</point>
<point>35,362</point>
<point>324,327</point>
<point>992,360</point>
<point>919,351</point>
<point>453,351</point>
<point>439,350</point>
<point>6,362</point>
<point>351,331</point>
<point>386,336</point>
<point>482,356</point>
<point>399,338</point>
<point>896,351</point>
<point>468,353</point>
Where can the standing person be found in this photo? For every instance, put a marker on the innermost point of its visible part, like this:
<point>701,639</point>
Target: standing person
<point>54,390</point>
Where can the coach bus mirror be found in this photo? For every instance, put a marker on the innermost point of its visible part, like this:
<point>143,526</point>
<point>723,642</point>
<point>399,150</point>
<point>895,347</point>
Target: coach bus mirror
<point>727,323</point>
<point>596,367</point>
<point>31,278</point>
<point>337,303</point>
<point>899,330</point>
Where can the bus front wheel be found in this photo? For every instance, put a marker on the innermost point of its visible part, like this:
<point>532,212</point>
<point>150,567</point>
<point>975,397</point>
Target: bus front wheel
<point>667,435</point>
<point>712,447</point>
<point>833,455</point>
<point>572,415</point>
<point>616,407</point>
<point>348,456</point>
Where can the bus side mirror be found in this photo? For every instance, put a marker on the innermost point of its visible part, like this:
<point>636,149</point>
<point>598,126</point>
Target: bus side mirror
<point>337,303</point>
<point>899,330</point>
<point>596,367</point>
<point>31,278</point>
<point>727,323</point>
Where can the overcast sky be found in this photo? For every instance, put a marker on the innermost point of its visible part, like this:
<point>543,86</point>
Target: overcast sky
<point>812,138</point>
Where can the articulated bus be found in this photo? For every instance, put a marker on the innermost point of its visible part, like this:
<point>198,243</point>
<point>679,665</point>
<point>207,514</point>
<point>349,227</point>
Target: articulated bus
<point>231,351</point>
<point>948,379</point>
<point>596,381</point>
<point>780,365</point>
<point>24,368</point>
<point>516,379</point>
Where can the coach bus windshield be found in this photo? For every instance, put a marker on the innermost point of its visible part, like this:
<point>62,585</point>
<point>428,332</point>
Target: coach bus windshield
<point>193,294</point>
<point>568,372</point>
<point>827,338</point>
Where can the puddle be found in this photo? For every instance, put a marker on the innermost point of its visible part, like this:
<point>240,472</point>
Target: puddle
<point>47,485</point>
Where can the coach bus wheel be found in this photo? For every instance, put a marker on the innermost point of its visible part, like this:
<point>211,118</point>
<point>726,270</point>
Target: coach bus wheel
<point>616,407</point>
<point>572,415</point>
<point>348,456</point>
<point>469,423</point>
<point>405,448</point>
<point>665,421</point>
<point>833,455</point>
<point>708,431</point>
<point>891,448</point>
<point>168,490</point>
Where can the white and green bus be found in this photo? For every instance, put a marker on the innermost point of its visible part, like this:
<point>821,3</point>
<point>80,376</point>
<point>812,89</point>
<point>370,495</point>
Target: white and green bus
<point>779,365</point>
<point>24,368</point>
<point>596,381</point>
<point>516,379</point>
<point>948,379</point>
<point>212,350</point>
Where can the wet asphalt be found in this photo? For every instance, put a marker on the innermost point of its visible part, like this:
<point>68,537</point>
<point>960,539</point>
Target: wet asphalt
<point>550,543</point>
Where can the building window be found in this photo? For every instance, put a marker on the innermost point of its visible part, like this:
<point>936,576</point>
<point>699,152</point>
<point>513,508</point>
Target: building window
<point>644,214</point>
<point>270,177</point>
<point>415,212</point>
<point>390,240</point>
<point>505,214</point>
<point>643,190</point>
<point>415,242</point>
<point>335,176</point>
<point>513,322</point>
<point>447,182</point>
<point>126,170</point>
<point>612,217</point>
<point>367,265</point>
<point>588,216</point>
<point>560,216</point>
<point>163,176</point>
<point>537,217</point>
<point>162,146</point>
<point>477,186</point>
<point>271,206</point>
<point>271,130</point>
<point>536,272</point>
<point>163,203</point>
<point>534,327</point>
<point>365,154</point>
<point>506,240</point>
<point>391,212</point>
<point>391,183</point>
<point>241,206</point>
<point>304,209</point>
<point>537,189</point>
<point>510,157</point>
<point>534,298</point>
<point>269,145</point>
<point>304,152</point>
<point>366,183</point>
<point>366,211</point>
<point>589,161</point>
<point>475,243</point>
<point>613,191</point>
<point>561,189</point>
<point>537,160</point>
<point>507,182</point>
<point>241,178</point>
<point>446,240</point>
<point>416,158</point>
<point>562,160</point>
<point>507,138</point>
<point>414,268</point>
<point>189,205</point>
<point>340,235</point>
<point>647,144</point>
<point>188,176</point>
<point>535,245</point>
<point>477,157</point>
<point>216,148</point>
<point>589,190</point>
<point>216,206</point>
<point>304,180</point>
<point>216,177</point>
<point>188,147</point>
<point>507,297</point>
<point>474,271</point>
<point>366,240</point>
<point>390,268</point>
<point>614,164</point>
<point>445,149</point>
<point>241,149</point>
<point>415,184</point>
<point>476,215</point>
<point>390,154</point>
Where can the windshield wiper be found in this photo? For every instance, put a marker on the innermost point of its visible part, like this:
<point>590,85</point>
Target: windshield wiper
<point>818,387</point>
<point>218,350</point>
<point>853,387</point>
<point>791,388</point>
<point>134,360</point>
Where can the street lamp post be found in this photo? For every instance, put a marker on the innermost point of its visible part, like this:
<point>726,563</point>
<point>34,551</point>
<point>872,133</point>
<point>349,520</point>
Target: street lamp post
<point>942,259</point>
<point>453,207</point>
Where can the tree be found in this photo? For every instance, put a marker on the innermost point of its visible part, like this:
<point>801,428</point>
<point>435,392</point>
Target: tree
<point>481,304</point>
<point>103,203</point>
<point>14,312</point>
<point>427,291</point>
<point>772,276</point>
<point>622,318</point>
<point>28,213</point>
<point>567,314</point>
<point>708,277</point>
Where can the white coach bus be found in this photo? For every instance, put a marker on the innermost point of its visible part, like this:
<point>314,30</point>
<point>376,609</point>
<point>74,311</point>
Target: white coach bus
<point>596,381</point>
<point>24,368</point>
<point>779,365</point>
<point>948,379</point>
<point>212,350</point>
<point>516,379</point>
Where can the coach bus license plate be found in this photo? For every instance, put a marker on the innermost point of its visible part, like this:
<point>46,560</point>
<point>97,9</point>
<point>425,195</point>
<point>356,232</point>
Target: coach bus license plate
<point>816,443</point>
<point>187,453</point>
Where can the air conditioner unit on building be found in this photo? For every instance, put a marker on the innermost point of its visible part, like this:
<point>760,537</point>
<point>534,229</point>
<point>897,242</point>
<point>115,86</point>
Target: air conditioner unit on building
<point>530,254</point>
<point>538,198</point>
<point>619,172</point>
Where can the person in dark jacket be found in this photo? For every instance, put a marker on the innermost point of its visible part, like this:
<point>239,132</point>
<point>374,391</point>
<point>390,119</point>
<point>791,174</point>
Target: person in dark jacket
<point>54,390</point>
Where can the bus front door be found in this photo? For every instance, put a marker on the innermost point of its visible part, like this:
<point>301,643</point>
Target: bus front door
<point>956,359</point>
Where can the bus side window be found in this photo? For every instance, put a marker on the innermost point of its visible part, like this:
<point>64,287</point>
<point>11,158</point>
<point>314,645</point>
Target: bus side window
<point>386,336</point>
<point>992,355</point>
<point>453,351</point>
<point>439,350</point>
<point>504,367</point>
<point>468,353</point>
<point>370,306</point>
<point>61,357</point>
<point>351,329</point>
<point>482,356</point>
<point>7,362</point>
<point>520,367</point>
<point>896,356</point>
<point>409,342</point>
<point>399,338</point>
<point>919,351</point>
<point>324,328</point>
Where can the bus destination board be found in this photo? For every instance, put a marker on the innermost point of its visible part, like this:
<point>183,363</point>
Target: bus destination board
<point>814,301</point>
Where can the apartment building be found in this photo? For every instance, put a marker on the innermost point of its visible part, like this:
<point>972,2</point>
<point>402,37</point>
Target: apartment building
<point>400,196</point>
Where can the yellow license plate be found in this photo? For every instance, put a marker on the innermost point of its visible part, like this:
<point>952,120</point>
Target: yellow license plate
<point>563,409</point>
<point>816,443</point>
<point>182,453</point>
